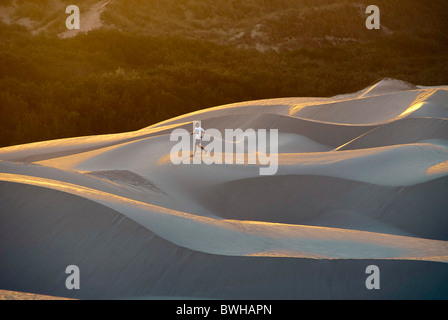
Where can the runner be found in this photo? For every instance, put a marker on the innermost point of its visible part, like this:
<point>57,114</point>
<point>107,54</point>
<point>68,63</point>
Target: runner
<point>198,134</point>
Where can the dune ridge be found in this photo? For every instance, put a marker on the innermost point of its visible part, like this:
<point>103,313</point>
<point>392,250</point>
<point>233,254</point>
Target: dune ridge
<point>362,179</point>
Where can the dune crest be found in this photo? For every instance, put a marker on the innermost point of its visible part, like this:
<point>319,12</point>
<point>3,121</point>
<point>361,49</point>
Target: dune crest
<point>362,179</point>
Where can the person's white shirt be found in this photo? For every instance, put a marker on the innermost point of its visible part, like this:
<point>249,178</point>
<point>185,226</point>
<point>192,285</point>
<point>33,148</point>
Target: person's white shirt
<point>198,132</point>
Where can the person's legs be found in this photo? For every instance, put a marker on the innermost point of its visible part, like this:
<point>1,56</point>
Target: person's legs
<point>196,143</point>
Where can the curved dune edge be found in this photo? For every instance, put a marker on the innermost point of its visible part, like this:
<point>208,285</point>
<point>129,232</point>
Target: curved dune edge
<point>361,179</point>
<point>401,165</point>
<point>297,107</point>
<point>290,108</point>
<point>15,295</point>
<point>438,169</point>
<point>403,131</point>
<point>39,151</point>
<point>376,109</point>
<point>254,238</point>
<point>90,235</point>
<point>415,211</point>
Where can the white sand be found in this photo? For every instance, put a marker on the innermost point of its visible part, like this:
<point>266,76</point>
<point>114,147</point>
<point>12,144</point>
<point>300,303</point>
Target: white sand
<point>362,179</point>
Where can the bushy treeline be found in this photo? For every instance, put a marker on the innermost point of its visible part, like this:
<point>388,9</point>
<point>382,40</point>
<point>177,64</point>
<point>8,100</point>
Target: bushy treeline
<point>278,23</point>
<point>107,81</point>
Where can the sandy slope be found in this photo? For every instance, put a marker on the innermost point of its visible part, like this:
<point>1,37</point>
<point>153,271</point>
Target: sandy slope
<point>14,295</point>
<point>362,179</point>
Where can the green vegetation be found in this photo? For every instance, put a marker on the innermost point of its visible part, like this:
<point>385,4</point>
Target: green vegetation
<point>111,81</point>
<point>278,24</point>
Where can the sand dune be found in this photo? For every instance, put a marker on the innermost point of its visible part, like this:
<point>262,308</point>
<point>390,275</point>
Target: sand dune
<point>387,86</point>
<point>403,131</point>
<point>318,200</point>
<point>362,179</point>
<point>430,102</point>
<point>14,295</point>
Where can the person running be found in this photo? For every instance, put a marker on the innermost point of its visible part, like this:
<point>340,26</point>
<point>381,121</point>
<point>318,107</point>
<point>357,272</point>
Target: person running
<point>198,134</point>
